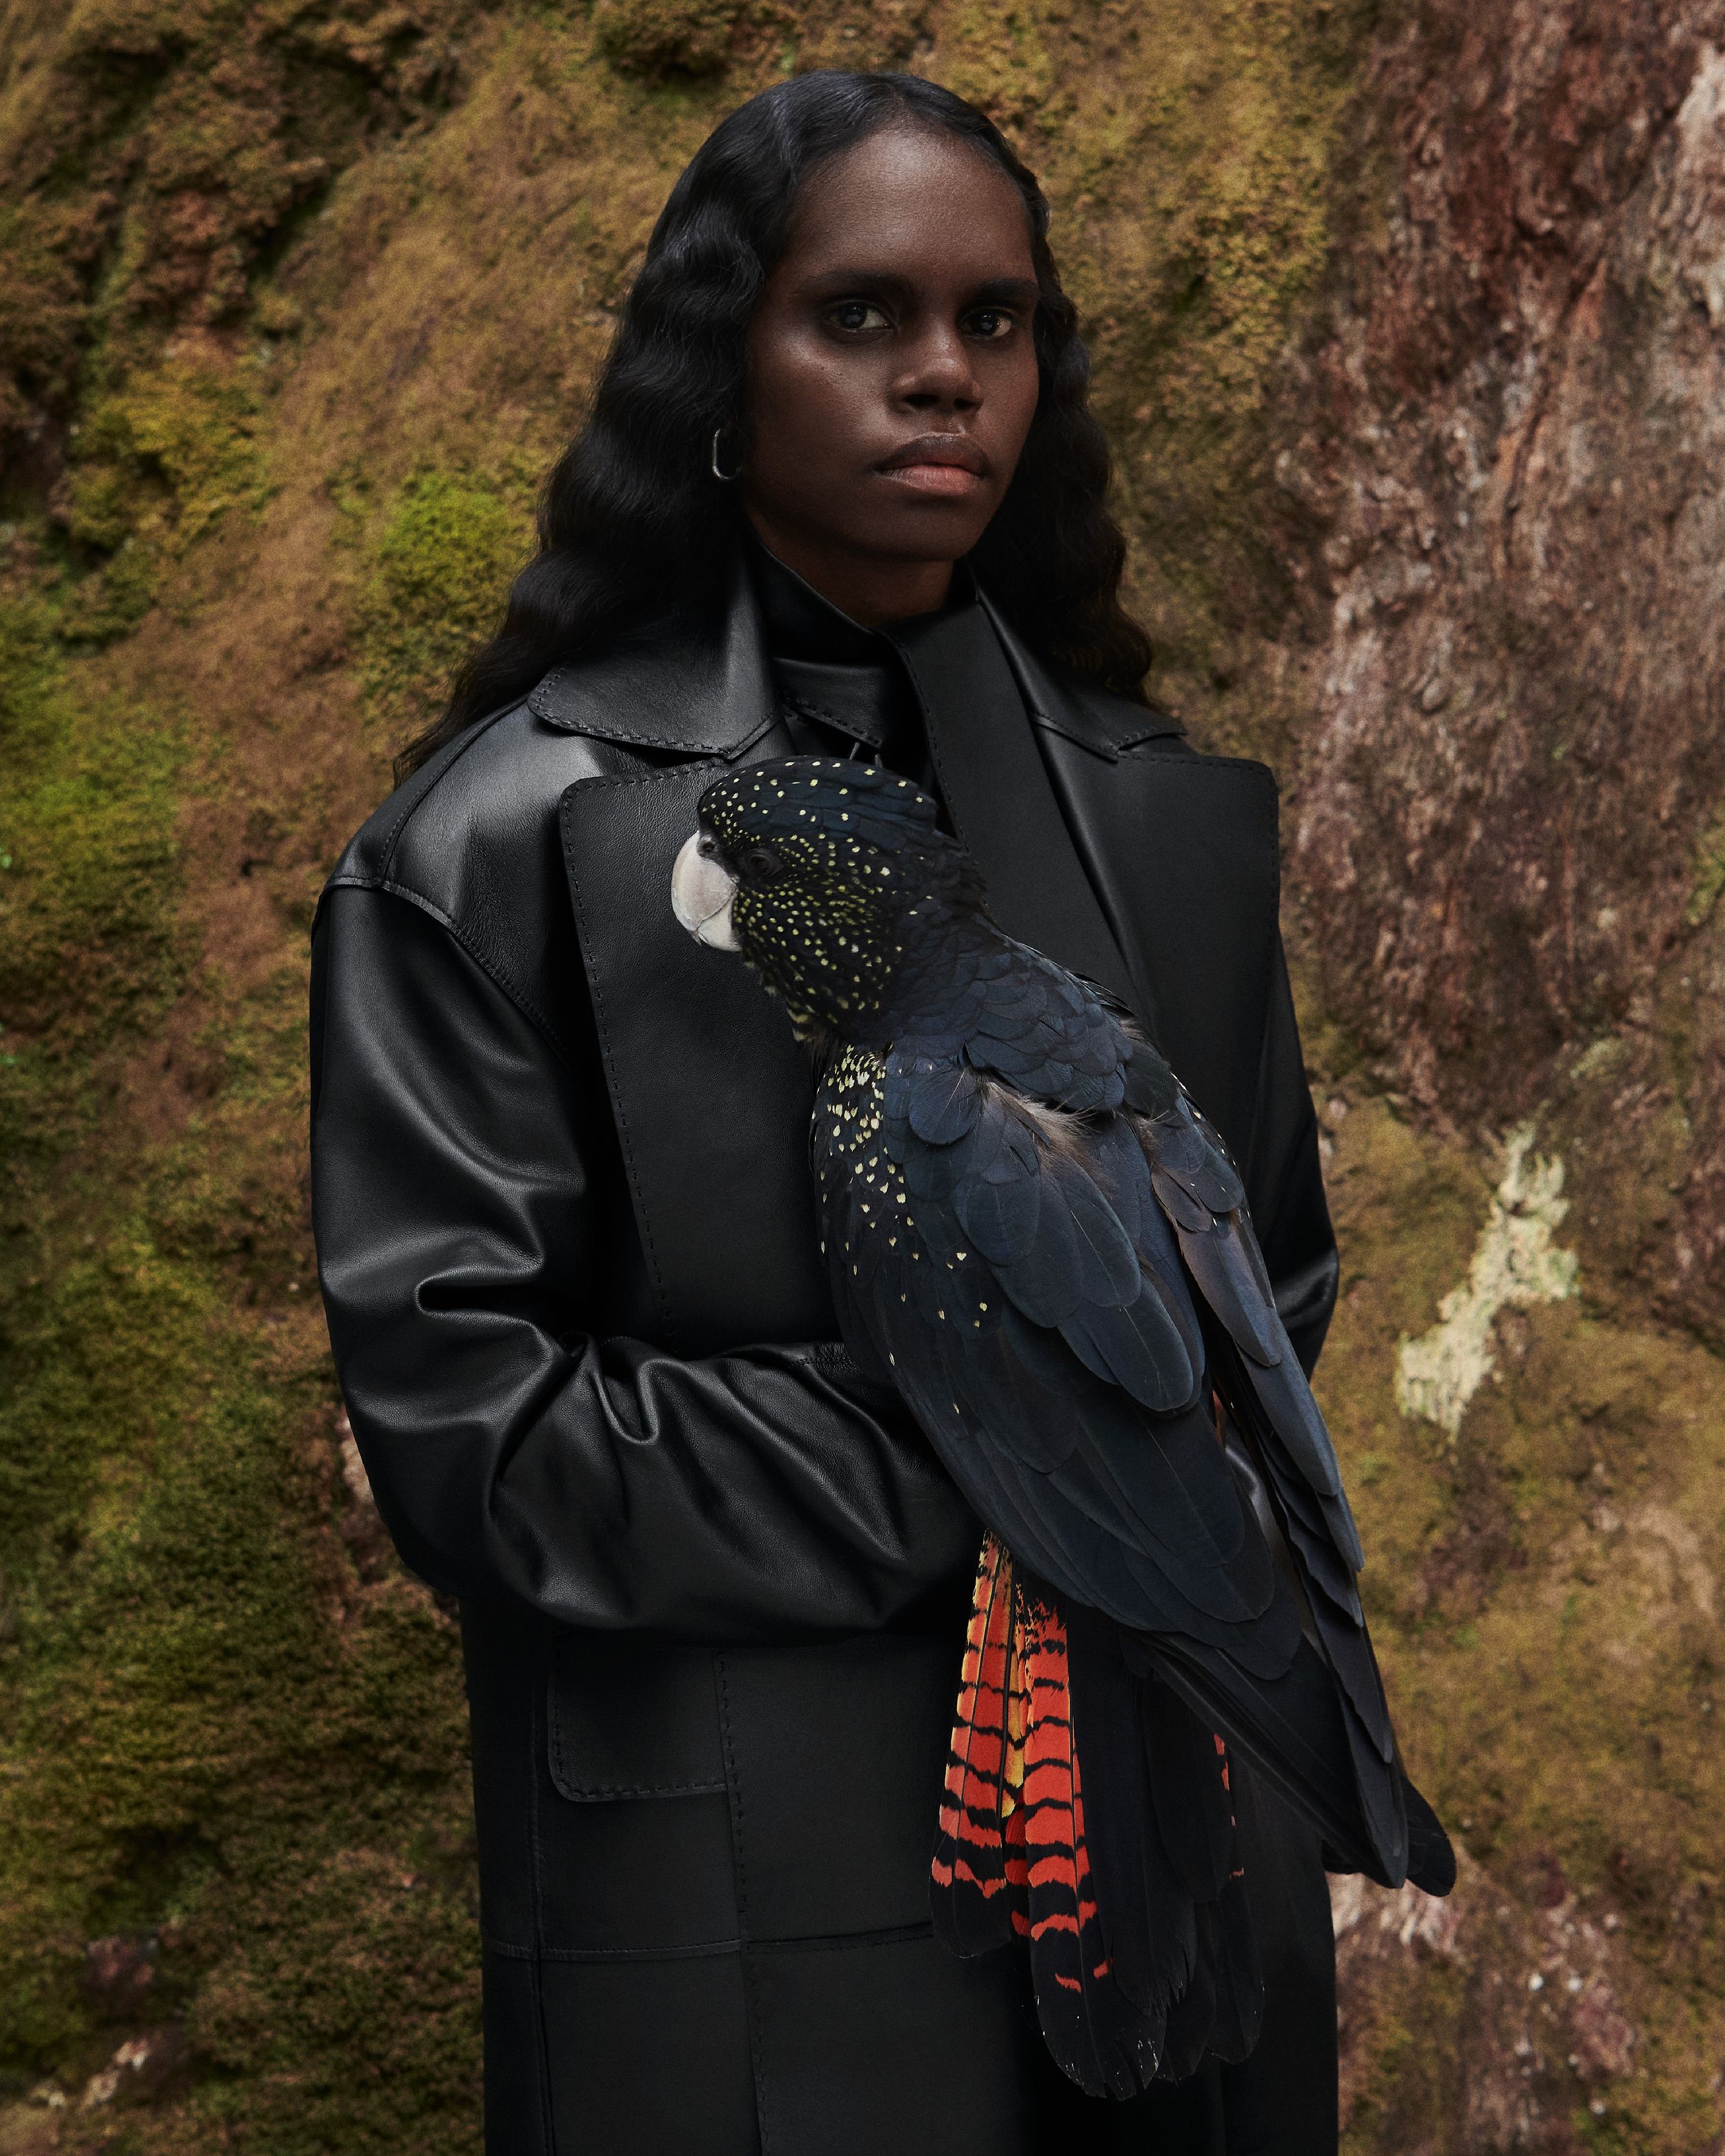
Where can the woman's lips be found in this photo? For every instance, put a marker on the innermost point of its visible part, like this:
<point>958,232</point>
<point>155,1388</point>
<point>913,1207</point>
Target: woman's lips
<point>949,466</point>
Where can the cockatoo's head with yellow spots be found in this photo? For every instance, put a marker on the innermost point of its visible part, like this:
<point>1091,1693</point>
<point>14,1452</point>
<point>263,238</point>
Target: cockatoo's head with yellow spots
<point>821,874</point>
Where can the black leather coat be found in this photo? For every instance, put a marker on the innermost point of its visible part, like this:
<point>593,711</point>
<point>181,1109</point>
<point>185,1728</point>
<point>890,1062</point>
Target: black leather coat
<point>712,1582</point>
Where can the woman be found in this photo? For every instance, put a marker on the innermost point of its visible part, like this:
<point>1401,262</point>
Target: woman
<point>840,492</point>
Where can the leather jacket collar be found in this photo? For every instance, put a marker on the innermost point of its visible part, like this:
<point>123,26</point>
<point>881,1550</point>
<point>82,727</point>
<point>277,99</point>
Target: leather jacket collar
<point>696,690</point>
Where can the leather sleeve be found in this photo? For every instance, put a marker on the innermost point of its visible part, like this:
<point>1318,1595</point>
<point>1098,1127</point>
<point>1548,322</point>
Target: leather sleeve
<point>1285,1185</point>
<point>602,1481</point>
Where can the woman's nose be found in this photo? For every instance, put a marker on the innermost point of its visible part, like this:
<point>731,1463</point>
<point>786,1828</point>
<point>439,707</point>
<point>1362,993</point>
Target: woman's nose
<point>938,374</point>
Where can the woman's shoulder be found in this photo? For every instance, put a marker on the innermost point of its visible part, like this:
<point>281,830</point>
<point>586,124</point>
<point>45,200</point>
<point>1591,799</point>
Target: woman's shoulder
<point>463,832</point>
<point>1119,729</point>
<point>488,799</point>
<point>1080,709</point>
<point>472,839</point>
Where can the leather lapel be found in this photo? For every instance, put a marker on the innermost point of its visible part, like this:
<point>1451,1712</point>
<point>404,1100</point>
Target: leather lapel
<point>994,782</point>
<point>695,687</point>
<point>1096,720</point>
<point>709,1088</point>
<point>1181,850</point>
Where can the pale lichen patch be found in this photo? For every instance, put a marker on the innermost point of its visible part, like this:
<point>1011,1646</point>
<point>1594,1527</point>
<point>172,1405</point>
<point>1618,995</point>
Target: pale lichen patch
<point>1516,1265</point>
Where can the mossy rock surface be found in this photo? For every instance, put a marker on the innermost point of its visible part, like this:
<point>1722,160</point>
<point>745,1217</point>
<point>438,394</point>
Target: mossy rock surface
<point>296,307</point>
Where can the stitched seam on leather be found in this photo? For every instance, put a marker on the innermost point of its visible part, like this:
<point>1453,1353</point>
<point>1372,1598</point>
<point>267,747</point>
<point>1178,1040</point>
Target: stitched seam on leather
<point>806,708</point>
<point>610,731</point>
<point>484,725</point>
<point>891,1935</point>
<point>752,1982</point>
<point>1116,746</point>
<point>1196,759</point>
<point>578,1791</point>
<point>613,732</point>
<point>1109,750</point>
<point>1117,736</point>
<point>733,1786</point>
<point>540,1705</point>
<point>556,1722</point>
<point>548,2116</point>
<point>524,1004</point>
<point>1033,710</point>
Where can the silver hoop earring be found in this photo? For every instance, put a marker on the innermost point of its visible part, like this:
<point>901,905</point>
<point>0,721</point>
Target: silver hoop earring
<point>719,434</point>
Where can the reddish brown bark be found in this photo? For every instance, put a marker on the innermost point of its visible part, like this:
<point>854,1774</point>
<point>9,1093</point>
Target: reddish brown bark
<point>1508,441</point>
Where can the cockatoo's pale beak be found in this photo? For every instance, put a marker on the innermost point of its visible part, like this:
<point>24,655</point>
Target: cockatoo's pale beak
<point>702,892</point>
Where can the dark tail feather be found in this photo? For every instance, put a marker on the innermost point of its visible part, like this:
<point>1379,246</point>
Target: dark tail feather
<point>1380,1785</point>
<point>1194,1807</point>
<point>1431,1861</point>
<point>1293,1729</point>
<point>1239,1991</point>
<point>1148,1925</point>
<point>1159,1831</point>
<point>1192,2015</point>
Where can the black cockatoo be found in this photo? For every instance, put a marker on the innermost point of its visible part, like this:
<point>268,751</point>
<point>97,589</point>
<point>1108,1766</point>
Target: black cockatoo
<point>1032,1231</point>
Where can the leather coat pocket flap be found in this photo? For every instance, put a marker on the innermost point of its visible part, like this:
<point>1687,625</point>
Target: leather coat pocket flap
<point>632,1716</point>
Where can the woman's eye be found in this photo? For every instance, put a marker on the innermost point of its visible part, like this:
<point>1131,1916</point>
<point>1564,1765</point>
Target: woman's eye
<point>993,323</point>
<point>854,316</point>
<point>761,864</point>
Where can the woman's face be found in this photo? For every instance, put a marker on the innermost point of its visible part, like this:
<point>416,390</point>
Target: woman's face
<point>891,372</point>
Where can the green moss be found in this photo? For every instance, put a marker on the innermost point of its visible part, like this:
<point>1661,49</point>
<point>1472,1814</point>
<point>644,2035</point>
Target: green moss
<point>1543,1599</point>
<point>41,314</point>
<point>449,546</point>
<point>87,808</point>
<point>158,463</point>
<point>1709,874</point>
<point>655,38</point>
<point>208,1737</point>
<point>1190,156</point>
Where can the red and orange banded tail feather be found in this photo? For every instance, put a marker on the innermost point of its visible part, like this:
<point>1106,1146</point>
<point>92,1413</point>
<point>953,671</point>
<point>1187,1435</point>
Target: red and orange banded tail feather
<point>1011,1858</point>
<point>1098,2037</point>
<point>976,1894</point>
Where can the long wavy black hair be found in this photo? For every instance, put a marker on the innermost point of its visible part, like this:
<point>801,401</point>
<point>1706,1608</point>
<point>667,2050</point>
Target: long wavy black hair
<point>632,514</point>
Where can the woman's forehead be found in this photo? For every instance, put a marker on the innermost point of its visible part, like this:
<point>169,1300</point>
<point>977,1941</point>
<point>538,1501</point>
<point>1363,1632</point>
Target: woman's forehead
<point>905,199</point>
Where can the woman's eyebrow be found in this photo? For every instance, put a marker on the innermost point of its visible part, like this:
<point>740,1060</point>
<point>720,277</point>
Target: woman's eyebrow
<point>1008,291</point>
<point>836,281</point>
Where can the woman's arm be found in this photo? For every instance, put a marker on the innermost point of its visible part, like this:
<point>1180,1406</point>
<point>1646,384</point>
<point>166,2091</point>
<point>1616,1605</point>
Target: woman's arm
<point>604,1482</point>
<point>1285,1185</point>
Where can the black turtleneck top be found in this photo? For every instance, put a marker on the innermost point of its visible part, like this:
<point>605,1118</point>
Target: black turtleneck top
<point>843,689</point>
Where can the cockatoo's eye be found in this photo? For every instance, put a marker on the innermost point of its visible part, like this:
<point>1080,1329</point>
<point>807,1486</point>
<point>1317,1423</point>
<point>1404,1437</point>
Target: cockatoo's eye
<point>760,863</point>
